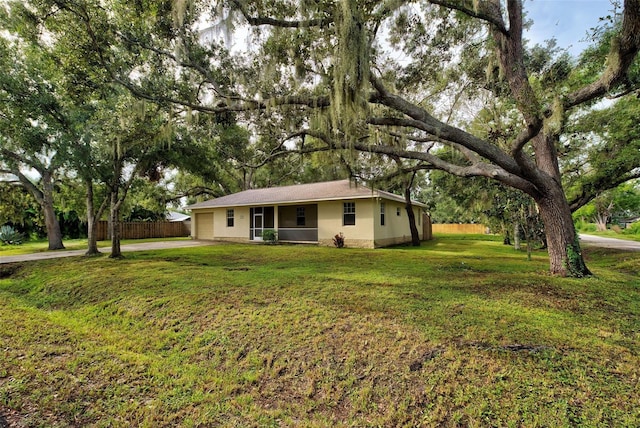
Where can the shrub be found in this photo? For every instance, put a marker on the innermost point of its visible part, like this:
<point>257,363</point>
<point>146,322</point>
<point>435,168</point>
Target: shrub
<point>10,236</point>
<point>632,229</point>
<point>338,240</point>
<point>585,227</point>
<point>616,228</point>
<point>270,236</point>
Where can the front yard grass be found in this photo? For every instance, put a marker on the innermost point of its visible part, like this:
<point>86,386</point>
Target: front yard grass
<point>462,331</point>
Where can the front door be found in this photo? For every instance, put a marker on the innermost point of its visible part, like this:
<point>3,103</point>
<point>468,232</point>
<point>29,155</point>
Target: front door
<point>258,223</point>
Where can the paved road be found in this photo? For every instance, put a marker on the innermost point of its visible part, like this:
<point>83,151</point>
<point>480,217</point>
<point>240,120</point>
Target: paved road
<point>617,244</point>
<point>158,245</point>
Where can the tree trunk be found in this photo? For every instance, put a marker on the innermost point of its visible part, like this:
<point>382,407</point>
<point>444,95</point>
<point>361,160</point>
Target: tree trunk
<point>602,218</point>
<point>92,222</point>
<point>415,235</point>
<point>601,224</point>
<point>516,235</point>
<point>565,256</point>
<point>54,234</point>
<point>114,225</point>
<point>507,237</point>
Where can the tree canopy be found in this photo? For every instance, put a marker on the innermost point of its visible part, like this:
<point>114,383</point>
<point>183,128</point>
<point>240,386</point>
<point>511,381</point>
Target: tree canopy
<point>402,79</point>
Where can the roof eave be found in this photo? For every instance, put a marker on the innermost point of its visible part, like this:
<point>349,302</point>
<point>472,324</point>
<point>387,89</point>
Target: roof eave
<point>375,194</point>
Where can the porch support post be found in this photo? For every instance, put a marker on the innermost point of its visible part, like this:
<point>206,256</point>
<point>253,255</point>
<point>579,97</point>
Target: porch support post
<point>275,217</point>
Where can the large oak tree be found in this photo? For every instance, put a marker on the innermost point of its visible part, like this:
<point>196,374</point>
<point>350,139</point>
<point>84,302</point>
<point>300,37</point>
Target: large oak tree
<point>440,40</point>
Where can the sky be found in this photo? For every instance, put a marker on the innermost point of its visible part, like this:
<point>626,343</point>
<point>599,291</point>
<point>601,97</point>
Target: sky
<point>567,20</point>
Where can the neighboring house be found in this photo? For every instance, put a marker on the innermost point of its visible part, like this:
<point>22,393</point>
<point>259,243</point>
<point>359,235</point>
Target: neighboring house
<point>312,213</point>
<point>625,223</point>
<point>176,216</point>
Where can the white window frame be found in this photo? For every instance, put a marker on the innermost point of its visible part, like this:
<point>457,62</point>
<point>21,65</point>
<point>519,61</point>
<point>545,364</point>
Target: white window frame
<point>231,217</point>
<point>348,209</point>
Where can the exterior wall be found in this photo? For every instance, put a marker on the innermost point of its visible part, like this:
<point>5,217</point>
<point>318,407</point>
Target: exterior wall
<point>212,224</point>
<point>330,223</point>
<point>396,228</point>
<point>241,224</point>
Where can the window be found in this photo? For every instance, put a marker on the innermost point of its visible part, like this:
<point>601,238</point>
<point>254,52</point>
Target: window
<point>381,213</point>
<point>230,218</point>
<point>300,217</point>
<point>349,215</point>
<point>398,211</point>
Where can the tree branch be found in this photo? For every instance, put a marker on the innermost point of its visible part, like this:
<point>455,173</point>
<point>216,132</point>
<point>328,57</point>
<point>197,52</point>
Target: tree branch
<point>32,163</point>
<point>244,105</point>
<point>524,137</point>
<point>477,169</point>
<point>487,11</point>
<point>424,121</point>
<point>31,188</point>
<point>591,190</point>
<point>469,154</point>
<point>84,17</point>
<point>261,20</point>
<point>623,51</point>
<point>9,172</point>
<point>200,69</point>
<point>197,191</point>
<point>428,140</point>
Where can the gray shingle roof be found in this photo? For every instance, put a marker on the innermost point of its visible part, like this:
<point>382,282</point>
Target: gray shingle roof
<point>300,193</point>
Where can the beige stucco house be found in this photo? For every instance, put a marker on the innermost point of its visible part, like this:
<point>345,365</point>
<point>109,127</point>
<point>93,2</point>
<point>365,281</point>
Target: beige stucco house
<point>310,213</point>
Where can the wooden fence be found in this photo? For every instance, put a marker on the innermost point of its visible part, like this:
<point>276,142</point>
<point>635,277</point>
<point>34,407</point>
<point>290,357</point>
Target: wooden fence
<point>145,229</point>
<point>459,228</point>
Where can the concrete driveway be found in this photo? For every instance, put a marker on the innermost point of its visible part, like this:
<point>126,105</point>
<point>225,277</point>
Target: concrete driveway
<point>613,243</point>
<point>144,246</point>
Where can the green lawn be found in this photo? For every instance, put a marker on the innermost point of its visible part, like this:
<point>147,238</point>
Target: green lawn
<point>460,332</point>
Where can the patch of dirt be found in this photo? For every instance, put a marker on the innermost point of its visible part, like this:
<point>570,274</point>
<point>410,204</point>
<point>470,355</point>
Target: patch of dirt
<point>427,356</point>
<point>7,271</point>
<point>236,269</point>
<point>10,419</point>
<point>533,294</point>
<point>514,347</point>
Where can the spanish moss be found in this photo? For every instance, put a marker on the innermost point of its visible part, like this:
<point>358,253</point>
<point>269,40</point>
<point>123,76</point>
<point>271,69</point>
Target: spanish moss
<point>351,68</point>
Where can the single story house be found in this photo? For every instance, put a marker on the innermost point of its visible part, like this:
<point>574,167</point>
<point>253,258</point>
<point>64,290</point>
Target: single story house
<point>310,213</point>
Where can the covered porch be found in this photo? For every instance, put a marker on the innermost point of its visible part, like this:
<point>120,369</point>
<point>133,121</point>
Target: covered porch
<point>293,223</point>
